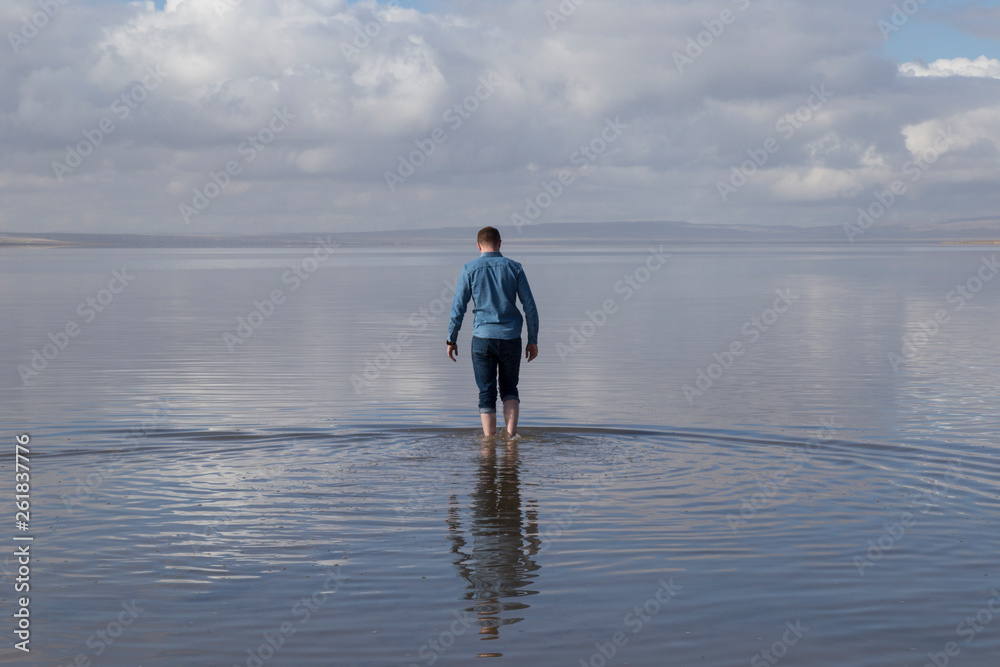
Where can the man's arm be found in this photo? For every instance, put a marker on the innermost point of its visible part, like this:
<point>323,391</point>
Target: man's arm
<point>530,315</point>
<point>463,292</point>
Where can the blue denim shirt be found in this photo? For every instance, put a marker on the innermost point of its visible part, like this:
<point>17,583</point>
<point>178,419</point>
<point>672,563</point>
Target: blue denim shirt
<point>493,282</point>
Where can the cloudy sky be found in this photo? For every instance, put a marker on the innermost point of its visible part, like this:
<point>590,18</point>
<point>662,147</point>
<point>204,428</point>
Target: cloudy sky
<point>257,116</point>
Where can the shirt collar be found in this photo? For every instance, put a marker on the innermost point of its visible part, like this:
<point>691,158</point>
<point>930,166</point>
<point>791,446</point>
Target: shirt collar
<point>491,253</point>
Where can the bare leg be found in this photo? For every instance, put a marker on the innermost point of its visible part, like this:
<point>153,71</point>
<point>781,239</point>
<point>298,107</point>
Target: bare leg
<point>511,408</point>
<point>490,421</point>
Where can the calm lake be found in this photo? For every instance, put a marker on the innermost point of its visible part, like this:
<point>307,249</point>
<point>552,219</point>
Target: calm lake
<point>728,456</point>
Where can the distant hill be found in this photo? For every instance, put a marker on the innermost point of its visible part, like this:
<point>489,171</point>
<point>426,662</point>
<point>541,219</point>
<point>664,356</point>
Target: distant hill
<point>979,230</point>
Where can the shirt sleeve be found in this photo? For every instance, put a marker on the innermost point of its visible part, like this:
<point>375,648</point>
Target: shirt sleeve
<point>463,292</point>
<point>528,303</point>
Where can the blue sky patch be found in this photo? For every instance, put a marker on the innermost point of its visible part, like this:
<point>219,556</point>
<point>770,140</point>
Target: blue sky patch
<point>930,34</point>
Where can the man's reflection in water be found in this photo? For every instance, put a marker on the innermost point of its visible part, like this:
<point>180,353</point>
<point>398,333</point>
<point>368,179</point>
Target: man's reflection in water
<point>494,553</point>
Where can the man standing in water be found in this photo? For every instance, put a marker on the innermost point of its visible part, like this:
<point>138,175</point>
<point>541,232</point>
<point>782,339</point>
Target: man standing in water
<point>494,282</point>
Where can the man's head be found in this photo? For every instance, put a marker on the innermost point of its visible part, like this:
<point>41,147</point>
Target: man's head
<point>488,239</point>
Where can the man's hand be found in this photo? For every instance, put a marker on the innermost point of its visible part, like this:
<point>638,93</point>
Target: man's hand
<point>452,351</point>
<point>530,351</point>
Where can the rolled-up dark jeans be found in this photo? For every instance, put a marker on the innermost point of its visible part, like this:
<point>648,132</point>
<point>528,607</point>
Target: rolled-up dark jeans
<point>493,359</point>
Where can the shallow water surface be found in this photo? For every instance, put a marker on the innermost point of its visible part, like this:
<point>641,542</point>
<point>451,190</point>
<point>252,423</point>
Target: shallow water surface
<point>276,505</point>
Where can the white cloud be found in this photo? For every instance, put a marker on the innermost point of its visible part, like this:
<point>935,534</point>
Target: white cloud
<point>817,184</point>
<point>980,67</point>
<point>972,129</point>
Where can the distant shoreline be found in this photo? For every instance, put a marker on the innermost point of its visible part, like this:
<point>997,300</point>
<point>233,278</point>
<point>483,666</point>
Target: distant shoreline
<point>568,234</point>
<point>41,243</point>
